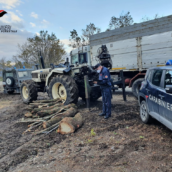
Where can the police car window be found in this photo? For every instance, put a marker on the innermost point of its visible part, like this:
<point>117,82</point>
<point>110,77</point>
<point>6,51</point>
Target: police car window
<point>168,77</point>
<point>9,74</point>
<point>156,79</point>
<point>22,74</point>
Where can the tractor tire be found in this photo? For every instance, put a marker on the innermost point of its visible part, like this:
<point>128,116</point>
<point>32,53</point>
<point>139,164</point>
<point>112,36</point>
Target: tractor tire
<point>64,87</point>
<point>29,91</point>
<point>136,86</point>
<point>93,97</point>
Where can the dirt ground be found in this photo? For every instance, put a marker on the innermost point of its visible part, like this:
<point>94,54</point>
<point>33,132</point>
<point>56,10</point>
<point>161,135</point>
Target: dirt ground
<point>121,143</point>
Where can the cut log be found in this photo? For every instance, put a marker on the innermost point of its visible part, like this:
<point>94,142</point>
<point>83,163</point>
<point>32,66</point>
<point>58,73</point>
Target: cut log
<point>69,113</point>
<point>47,108</point>
<point>46,101</point>
<point>69,124</point>
<point>43,113</point>
<point>28,115</point>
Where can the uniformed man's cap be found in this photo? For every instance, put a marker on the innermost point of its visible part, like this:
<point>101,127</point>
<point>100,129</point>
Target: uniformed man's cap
<point>97,65</point>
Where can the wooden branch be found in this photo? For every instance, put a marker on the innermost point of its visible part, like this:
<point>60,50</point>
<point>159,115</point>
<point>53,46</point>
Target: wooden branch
<point>51,127</point>
<point>29,120</point>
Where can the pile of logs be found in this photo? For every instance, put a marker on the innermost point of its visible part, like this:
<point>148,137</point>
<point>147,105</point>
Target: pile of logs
<point>48,115</point>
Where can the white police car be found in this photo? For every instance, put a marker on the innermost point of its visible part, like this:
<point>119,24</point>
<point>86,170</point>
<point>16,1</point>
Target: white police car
<point>155,95</point>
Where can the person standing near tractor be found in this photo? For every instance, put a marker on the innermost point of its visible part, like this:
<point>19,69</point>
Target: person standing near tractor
<point>105,85</point>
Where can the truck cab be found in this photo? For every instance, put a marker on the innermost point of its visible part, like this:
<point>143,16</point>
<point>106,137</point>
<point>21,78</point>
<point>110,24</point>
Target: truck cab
<point>80,56</point>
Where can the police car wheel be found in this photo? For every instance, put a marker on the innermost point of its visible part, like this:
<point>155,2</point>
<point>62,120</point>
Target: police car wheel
<point>144,115</point>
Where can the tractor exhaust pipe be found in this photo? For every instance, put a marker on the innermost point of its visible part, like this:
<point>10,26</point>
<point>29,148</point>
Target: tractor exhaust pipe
<point>42,61</point>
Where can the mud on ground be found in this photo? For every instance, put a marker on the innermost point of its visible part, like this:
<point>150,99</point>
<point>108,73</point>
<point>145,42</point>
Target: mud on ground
<point>122,143</point>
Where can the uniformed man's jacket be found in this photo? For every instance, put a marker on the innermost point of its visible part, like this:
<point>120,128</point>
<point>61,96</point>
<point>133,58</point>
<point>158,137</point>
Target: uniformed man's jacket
<point>104,78</point>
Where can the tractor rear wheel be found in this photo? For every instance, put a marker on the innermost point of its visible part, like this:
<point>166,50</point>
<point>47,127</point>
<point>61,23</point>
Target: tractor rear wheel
<point>28,91</point>
<point>64,87</point>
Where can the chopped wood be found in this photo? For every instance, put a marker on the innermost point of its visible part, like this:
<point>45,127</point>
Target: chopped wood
<point>69,113</point>
<point>46,101</point>
<point>47,108</point>
<point>69,124</point>
<point>28,115</point>
<point>54,110</point>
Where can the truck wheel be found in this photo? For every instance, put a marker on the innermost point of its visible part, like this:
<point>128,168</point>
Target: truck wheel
<point>63,87</point>
<point>144,115</point>
<point>136,86</point>
<point>28,91</point>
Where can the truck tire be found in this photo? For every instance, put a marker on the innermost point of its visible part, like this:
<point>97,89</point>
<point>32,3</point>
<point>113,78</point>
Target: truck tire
<point>28,91</point>
<point>64,87</point>
<point>136,86</point>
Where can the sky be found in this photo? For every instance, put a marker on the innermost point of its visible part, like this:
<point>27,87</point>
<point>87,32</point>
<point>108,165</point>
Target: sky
<point>28,17</point>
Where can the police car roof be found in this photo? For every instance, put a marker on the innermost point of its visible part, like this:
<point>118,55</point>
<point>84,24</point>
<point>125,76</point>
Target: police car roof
<point>163,67</point>
<point>18,69</point>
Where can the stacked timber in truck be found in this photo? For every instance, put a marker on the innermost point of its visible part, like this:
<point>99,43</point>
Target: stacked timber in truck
<point>133,49</point>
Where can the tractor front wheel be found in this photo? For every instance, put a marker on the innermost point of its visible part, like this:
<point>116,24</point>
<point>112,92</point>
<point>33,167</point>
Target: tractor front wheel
<point>64,87</point>
<point>28,91</point>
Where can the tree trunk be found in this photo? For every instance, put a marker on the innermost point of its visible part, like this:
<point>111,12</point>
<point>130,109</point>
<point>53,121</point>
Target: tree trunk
<point>54,110</point>
<point>69,113</point>
<point>69,124</point>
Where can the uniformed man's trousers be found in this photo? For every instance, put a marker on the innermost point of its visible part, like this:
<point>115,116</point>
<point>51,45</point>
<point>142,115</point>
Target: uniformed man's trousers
<point>106,99</point>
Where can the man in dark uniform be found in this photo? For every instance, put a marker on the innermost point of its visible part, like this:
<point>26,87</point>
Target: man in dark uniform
<point>105,85</point>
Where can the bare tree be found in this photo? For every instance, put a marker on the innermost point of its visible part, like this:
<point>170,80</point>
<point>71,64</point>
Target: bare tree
<point>2,63</point>
<point>145,18</point>
<point>50,47</point>
<point>91,29</point>
<point>77,41</point>
<point>121,21</point>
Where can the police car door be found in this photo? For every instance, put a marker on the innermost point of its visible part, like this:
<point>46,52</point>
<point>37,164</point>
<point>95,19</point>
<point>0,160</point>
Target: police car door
<point>152,91</point>
<point>165,99</point>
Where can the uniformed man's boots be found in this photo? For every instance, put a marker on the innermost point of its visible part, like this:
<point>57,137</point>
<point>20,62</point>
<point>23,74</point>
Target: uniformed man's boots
<point>102,114</point>
<point>106,117</point>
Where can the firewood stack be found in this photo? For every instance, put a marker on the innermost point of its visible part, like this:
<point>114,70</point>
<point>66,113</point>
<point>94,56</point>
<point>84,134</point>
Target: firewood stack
<point>48,115</point>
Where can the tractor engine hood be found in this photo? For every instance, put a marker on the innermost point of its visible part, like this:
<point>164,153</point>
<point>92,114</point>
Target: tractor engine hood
<point>42,71</point>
